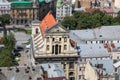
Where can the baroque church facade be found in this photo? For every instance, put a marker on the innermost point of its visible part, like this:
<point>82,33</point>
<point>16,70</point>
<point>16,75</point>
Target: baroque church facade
<point>51,43</point>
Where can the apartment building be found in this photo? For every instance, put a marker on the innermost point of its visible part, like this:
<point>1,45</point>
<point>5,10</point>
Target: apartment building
<point>100,70</point>
<point>116,4</point>
<point>23,12</point>
<point>89,52</point>
<point>94,3</point>
<point>4,7</point>
<point>63,9</point>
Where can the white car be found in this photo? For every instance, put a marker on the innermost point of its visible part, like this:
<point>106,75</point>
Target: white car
<point>28,46</point>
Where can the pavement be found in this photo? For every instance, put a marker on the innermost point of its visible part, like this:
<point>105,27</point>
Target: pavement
<point>20,73</point>
<point>24,59</point>
<point>25,71</point>
<point>21,38</point>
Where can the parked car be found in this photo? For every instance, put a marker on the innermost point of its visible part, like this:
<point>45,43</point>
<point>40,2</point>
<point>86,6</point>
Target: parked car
<point>2,46</point>
<point>17,54</point>
<point>18,48</point>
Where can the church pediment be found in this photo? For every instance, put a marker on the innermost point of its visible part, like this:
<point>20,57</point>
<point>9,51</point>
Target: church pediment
<point>57,29</point>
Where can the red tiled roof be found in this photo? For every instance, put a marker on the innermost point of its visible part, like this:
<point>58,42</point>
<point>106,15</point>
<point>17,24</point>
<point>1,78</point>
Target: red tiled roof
<point>73,43</point>
<point>90,10</point>
<point>47,22</point>
<point>107,10</point>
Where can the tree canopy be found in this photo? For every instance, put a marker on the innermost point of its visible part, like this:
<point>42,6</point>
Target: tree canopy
<point>6,59</point>
<point>84,20</point>
<point>4,20</point>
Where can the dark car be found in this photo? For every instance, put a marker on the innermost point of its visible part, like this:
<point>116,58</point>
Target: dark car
<point>15,63</point>
<point>17,54</point>
<point>20,48</point>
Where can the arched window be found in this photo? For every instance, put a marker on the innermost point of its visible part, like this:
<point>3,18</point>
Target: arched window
<point>71,76</point>
<point>36,30</point>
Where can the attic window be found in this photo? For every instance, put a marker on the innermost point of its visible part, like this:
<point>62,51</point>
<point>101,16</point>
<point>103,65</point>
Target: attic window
<point>100,35</point>
<point>99,65</point>
<point>57,30</point>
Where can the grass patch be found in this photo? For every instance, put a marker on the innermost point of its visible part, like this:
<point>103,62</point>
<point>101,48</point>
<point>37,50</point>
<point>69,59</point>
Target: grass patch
<point>29,31</point>
<point>24,30</point>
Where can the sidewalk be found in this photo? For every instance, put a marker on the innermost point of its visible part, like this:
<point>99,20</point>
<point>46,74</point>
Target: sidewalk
<point>24,59</point>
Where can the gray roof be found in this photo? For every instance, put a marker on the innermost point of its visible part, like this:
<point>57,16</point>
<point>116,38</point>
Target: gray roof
<point>102,33</point>
<point>53,69</point>
<point>117,64</point>
<point>13,75</point>
<point>116,49</point>
<point>93,50</point>
<point>107,66</point>
<point>35,21</point>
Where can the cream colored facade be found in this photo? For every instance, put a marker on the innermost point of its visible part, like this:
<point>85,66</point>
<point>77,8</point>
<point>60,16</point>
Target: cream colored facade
<point>115,56</point>
<point>23,16</point>
<point>117,3</point>
<point>92,74</point>
<point>94,3</point>
<point>55,46</point>
<point>82,63</point>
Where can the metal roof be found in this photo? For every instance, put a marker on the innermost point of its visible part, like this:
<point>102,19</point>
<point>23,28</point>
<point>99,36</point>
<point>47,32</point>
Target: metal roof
<point>117,64</point>
<point>93,50</point>
<point>53,69</point>
<point>101,33</point>
<point>107,68</point>
<point>21,2</point>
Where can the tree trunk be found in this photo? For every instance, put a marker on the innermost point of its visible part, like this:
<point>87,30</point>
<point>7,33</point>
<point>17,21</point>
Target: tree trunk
<point>5,31</point>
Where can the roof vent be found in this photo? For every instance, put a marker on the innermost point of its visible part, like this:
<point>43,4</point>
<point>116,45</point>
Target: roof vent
<point>99,65</point>
<point>100,35</point>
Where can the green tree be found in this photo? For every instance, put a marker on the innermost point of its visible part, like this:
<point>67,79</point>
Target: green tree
<point>107,20</point>
<point>116,20</point>
<point>69,22</point>
<point>5,53</point>
<point>84,21</point>
<point>4,20</point>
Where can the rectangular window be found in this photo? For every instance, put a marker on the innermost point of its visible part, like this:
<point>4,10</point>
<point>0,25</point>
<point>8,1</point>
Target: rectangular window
<point>65,47</point>
<point>47,47</point>
<point>53,39</point>
<point>79,68</point>
<point>47,39</point>
<point>59,48</point>
<point>59,39</point>
<point>65,39</point>
<point>53,49</point>
<point>117,57</point>
<point>64,66</point>
<point>79,76</point>
<point>71,65</point>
